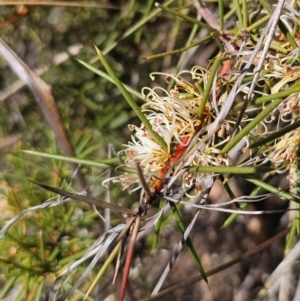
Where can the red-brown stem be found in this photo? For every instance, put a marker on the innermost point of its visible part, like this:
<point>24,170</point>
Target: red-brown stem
<point>159,183</point>
<point>175,157</point>
<point>129,258</point>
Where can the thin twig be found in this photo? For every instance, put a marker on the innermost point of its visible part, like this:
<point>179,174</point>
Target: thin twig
<point>143,181</point>
<point>58,59</point>
<point>268,33</point>
<point>129,259</point>
<point>88,200</point>
<point>219,268</point>
<point>44,98</point>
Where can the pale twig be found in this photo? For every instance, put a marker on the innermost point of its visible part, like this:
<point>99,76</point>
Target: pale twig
<point>273,282</point>
<point>9,140</point>
<point>100,248</point>
<point>267,33</point>
<point>238,211</point>
<point>20,215</point>
<point>107,214</point>
<point>44,98</point>
<point>58,59</point>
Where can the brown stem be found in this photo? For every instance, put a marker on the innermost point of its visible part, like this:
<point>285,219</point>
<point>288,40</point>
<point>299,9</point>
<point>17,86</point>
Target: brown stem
<point>44,97</point>
<point>129,258</point>
<point>219,268</point>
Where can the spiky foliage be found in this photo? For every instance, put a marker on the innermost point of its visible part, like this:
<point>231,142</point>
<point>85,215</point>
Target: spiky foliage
<point>237,115</point>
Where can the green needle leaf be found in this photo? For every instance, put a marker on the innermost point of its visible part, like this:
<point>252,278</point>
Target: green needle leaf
<point>130,100</point>
<point>188,241</point>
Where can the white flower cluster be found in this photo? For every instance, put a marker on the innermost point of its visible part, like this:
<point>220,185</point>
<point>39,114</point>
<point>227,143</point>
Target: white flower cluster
<point>174,116</point>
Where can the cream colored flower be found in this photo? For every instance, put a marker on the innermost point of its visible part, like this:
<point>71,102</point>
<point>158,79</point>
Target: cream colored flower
<point>173,115</point>
<point>285,150</point>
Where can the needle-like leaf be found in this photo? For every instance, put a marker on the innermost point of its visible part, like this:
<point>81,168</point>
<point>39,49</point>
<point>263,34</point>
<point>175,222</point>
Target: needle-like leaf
<point>87,199</point>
